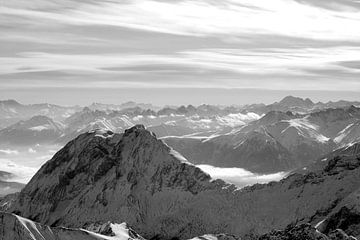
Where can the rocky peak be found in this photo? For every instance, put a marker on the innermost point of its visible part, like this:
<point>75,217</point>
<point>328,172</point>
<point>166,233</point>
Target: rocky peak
<point>10,103</point>
<point>291,101</point>
<point>98,166</point>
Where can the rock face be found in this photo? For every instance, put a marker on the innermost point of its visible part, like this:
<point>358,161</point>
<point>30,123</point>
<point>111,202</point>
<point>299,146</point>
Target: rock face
<point>305,232</point>
<point>134,177</point>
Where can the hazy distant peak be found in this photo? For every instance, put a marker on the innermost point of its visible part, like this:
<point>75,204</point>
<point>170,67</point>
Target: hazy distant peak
<point>296,102</point>
<point>10,103</point>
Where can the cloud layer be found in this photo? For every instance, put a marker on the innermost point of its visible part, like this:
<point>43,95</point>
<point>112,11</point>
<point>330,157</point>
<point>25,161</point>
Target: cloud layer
<point>278,44</point>
<point>240,177</point>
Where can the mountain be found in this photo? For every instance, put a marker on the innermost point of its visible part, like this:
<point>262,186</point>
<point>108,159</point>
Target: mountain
<point>36,130</point>
<point>11,111</point>
<point>296,105</point>
<point>5,175</point>
<point>257,151</point>
<point>42,129</point>
<point>332,121</point>
<point>276,142</point>
<point>10,187</point>
<point>7,187</point>
<point>130,104</point>
<point>162,125</point>
<point>291,101</point>
<point>351,150</point>
<point>135,178</point>
<point>350,134</point>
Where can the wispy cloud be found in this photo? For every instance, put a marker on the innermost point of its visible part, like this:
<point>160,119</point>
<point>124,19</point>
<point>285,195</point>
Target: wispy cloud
<point>234,67</point>
<point>203,18</point>
<point>278,44</point>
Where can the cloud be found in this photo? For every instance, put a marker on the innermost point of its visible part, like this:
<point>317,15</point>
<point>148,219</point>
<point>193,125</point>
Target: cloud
<point>278,44</point>
<point>271,68</point>
<point>31,150</point>
<point>240,177</point>
<point>21,173</point>
<point>8,152</point>
<point>201,17</point>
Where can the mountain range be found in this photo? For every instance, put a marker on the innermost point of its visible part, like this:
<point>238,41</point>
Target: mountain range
<point>103,177</point>
<point>279,141</point>
<point>282,136</point>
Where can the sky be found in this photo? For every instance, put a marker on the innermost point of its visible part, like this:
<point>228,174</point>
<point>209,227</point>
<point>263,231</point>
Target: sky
<point>179,51</point>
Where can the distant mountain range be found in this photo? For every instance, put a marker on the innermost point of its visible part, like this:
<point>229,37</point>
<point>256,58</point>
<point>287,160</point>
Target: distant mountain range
<point>261,138</point>
<point>276,142</point>
<point>11,111</point>
<point>102,180</point>
<point>8,187</point>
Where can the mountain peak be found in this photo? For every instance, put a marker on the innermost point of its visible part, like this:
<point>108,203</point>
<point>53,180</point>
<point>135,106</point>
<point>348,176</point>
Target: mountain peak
<point>10,103</point>
<point>296,102</point>
<point>98,166</point>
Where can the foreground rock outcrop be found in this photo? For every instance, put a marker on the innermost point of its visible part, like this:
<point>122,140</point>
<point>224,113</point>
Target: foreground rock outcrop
<point>13,227</point>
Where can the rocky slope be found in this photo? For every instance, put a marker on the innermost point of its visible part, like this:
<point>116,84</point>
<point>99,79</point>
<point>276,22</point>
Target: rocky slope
<point>135,178</point>
<point>305,232</point>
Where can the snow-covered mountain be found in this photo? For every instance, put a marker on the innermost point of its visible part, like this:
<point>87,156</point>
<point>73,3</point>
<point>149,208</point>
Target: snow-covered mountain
<point>276,142</point>
<point>11,111</point>
<point>36,130</point>
<point>42,129</point>
<point>296,105</point>
<point>257,151</point>
<point>284,140</point>
<point>122,106</point>
<point>134,177</point>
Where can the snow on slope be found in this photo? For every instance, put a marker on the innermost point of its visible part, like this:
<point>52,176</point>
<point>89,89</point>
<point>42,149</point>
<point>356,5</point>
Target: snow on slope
<point>15,227</point>
<point>350,134</point>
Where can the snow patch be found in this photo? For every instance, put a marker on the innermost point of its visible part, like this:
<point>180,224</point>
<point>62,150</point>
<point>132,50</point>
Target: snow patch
<point>178,156</point>
<point>121,231</point>
<point>40,128</point>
